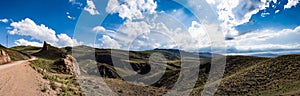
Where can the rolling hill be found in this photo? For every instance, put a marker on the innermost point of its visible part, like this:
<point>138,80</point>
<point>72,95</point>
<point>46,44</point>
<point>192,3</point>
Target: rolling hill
<point>244,75</point>
<point>50,52</point>
<point>15,55</point>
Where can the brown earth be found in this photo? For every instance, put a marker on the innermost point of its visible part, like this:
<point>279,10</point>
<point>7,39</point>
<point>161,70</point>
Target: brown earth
<point>19,79</point>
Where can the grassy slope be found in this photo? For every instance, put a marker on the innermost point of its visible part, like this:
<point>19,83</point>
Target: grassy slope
<point>243,75</point>
<point>63,84</point>
<point>52,53</point>
<point>15,55</point>
<point>260,76</point>
<point>27,49</point>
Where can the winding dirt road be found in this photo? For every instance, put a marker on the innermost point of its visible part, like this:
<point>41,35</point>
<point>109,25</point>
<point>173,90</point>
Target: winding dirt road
<point>19,79</point>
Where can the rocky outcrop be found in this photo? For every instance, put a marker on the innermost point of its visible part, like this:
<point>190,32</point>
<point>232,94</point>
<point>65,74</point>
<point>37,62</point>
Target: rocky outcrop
<point>45,46</point>
<point>50,52</point>
<point>68,65</point>
<point>4,57</point>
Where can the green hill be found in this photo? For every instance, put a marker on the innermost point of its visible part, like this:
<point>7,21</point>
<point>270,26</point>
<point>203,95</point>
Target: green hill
<point>244,75</point>
<point>50,52</point>
<point>15,55</point>
<point>27,49</point>
<point>273,76</point>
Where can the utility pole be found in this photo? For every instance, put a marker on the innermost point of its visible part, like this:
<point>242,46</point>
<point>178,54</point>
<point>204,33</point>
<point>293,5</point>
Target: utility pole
<point>7,40</point>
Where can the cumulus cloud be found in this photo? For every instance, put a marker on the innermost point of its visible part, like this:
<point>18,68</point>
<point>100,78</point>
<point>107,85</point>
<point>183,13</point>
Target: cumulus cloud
<point>132,29</point>
<point>91,8</point>
<point>141,35</point>
<point>196,37</point>
<point>266,40</point>
<point>291,3</point>
<point>237,12</point>
<point>98,29</point>
<point>108,42</point>
<point>65,40</point>
<point>147,34</point>
<point>131,9</point>
<point>27,27</point>
<point>27,43</point>
<point>199,33</point>
<point>4,20</point>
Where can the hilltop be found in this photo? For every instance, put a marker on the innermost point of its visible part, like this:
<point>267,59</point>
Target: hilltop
<point>15,55</point>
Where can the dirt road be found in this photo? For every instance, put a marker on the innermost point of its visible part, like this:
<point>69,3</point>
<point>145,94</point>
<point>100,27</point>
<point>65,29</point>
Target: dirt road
<point>19,79</point>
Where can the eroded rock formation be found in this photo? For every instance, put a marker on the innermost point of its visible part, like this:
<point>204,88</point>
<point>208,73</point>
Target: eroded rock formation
<point>4,57</point>
<point>68,65</point>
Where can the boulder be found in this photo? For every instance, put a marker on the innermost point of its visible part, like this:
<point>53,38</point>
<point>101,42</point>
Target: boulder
<point>68,65</point>
<point>4,57</point>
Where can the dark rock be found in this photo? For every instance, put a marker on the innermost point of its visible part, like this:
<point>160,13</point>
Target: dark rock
<point>45,46</point>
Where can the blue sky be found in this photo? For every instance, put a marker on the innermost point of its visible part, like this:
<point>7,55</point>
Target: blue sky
<point>250,27</point>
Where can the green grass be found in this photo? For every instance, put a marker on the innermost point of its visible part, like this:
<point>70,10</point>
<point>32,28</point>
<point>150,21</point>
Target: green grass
<point>27,49</point>
<point>15,55</point>
<point>69,86</point>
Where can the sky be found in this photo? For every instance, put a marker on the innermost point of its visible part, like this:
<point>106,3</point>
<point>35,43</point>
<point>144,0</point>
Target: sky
<point>251,27</point>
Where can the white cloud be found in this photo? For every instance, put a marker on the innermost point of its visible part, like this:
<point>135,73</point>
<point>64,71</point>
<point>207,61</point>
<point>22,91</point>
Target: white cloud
<point>131,9</point>
<point>98,29</point>
<point>70,17</point>
<point>27,27</point>
<point>196,37</point>
<point>141,35</point>
<point>133,29</point>
<point>264,14</point>
<point>108,42</point>
<point>91,8</point>
<point>65,40</point>
<point>236,12</point>
<point>74,2</point>
<point>4,20</point>
<point>27,43</point>
<point>266,40</point>
<point>199,33</point>
<point>277,11</point>
<point>291,3</point>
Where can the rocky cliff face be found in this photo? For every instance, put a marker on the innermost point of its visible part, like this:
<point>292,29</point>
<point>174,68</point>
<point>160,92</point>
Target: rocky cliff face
<point>4,57</point>
<point>68,65</point>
